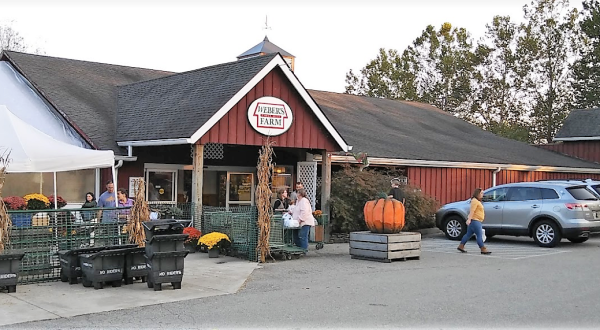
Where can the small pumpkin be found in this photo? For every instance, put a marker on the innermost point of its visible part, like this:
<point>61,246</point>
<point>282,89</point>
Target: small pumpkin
<point>384,216</point>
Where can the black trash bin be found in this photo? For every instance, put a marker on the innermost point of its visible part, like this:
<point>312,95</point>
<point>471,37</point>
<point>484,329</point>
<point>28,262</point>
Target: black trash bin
<point>70,269</point>
<point>10,264</point>
<point>161,227</point>
<point>165,243</point>
<point>165,267</point>
<point>104,266</point>
<point>135,265</point>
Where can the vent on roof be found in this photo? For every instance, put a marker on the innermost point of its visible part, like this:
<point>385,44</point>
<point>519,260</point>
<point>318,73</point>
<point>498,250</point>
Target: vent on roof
<point>265,48</point>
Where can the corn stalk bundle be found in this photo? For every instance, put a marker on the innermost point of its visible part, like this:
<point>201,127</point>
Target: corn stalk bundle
<point>5,222</point>
<point>263,191</point>
<point>140,212</point>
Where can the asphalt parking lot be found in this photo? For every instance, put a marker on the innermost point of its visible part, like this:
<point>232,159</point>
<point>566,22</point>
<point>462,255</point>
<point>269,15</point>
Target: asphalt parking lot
<point>502,247</point>
<point>519,286</point>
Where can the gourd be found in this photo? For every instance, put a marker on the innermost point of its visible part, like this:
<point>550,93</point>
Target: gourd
<point>384,216</point>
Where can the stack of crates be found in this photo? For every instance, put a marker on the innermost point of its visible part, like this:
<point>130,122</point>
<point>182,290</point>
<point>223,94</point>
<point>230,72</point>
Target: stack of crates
<point>165,253</point>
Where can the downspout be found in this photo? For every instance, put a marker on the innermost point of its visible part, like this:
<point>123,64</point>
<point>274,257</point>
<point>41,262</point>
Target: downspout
<point>494,175</point>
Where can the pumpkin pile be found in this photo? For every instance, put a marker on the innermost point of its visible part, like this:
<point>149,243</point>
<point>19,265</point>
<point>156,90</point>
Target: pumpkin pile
<point>384,216</point>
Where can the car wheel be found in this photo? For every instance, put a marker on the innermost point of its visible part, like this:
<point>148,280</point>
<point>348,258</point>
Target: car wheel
<point>578,239</point>
<point>546,233</point>
<point>455,228</point>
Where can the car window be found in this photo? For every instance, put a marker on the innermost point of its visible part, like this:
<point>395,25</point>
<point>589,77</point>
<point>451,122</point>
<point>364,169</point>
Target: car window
<point>524,194</point>
<point>581,193</point>
<point>596,188</point>
<point>549,193</point>
<point>495,195</point>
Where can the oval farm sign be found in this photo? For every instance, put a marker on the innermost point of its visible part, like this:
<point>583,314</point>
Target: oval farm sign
<point>270,116</point>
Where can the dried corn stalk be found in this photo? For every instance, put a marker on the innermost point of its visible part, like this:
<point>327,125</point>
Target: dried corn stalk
<point>140,212</point>
<point>263,191</point>
<point>5,222</point>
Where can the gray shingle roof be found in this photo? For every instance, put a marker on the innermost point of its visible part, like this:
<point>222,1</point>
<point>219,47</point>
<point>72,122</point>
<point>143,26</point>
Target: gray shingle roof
<point>411,130</point>
<point>265,47</point>
<point>581,123</point>
<point>85,92</point>
<point>178,105</point>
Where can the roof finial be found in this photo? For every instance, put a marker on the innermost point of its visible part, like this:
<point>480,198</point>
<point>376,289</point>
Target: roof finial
<point>267,27</point>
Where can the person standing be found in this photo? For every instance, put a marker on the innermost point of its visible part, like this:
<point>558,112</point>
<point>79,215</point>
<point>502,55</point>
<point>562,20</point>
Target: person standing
<point>108,223</point>
<point>303,213</point>
<point>397,193</point>
<point>90,203</point>
<point>282,202</point>
<point>107,199</point>
<point>474,220</point>
<point>293,195</point>
<point>124,202</point>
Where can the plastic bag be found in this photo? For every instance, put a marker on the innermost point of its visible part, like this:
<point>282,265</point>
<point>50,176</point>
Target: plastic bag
<point>289,222</point>
<point>483,238</point>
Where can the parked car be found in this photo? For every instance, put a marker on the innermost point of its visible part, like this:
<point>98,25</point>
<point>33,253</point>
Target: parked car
<point>546,211</point>
<point>592,185</point>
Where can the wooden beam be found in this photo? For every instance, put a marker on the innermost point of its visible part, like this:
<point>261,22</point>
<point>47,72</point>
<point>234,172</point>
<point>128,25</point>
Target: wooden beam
<point>326,187</point>
<point>197,183</point>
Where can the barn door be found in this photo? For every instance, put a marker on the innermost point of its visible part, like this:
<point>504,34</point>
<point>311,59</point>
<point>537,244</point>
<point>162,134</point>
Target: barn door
<point>307,174</point>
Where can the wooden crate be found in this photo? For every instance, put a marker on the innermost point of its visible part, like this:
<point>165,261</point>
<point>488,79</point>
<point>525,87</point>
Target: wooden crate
<point>385,247</point>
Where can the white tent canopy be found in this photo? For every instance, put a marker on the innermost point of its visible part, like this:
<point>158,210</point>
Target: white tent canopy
<point>34,151</point>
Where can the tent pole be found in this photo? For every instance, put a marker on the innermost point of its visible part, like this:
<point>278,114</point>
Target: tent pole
<point>114,175</point>
<point>55,195</point>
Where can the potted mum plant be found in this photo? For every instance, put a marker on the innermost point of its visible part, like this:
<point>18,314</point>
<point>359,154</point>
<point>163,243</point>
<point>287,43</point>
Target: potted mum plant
<point>38,202</point>
<point>215,241</point>
<point>17,203</point>
<point>191,243</point>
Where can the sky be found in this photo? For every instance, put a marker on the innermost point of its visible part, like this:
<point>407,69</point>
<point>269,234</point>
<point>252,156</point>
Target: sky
<point>328,37</point>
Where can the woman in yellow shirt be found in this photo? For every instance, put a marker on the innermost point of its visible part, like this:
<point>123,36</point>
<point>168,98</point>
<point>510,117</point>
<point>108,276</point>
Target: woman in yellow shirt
<point>474,221</point>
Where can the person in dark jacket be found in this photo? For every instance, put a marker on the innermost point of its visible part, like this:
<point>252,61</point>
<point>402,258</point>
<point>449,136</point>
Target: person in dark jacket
<point>397,193</point>
<point>90,202</point>
<point>282,202</point>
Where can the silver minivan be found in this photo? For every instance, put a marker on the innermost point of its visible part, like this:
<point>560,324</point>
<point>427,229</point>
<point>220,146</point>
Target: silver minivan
<point>547,211</point>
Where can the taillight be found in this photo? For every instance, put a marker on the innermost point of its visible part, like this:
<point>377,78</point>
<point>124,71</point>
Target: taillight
<point>576,206</point>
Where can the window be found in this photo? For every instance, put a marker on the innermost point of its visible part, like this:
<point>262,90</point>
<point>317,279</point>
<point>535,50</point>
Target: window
<point>495,195</point>
<point>549,193</point>
<point>161,185</point>
<point>524,194</point>
<point>581,193</point>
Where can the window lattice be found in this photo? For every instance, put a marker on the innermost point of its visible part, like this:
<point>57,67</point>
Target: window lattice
<point>213,151</point>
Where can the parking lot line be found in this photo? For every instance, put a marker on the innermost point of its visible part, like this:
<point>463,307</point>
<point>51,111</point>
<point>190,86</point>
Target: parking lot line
<point>503,250</point>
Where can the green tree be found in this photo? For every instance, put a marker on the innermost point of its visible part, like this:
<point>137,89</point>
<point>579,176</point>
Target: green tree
<point>445,60</point>
<point>389,75</point>
<point>435,69</point>
<point>497,102</point>
<point>586,70</point>
<point>547,44</point>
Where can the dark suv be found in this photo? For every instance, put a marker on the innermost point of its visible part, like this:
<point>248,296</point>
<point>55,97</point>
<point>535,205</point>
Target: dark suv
<point>546,211</point>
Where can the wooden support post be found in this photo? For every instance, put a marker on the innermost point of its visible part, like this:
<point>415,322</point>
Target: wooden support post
<point>197,182</point>
<point>326,188</point>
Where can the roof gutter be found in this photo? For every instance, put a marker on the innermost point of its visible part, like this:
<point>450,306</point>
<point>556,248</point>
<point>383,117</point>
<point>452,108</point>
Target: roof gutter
<point>153,143</point>
<point>448,164</point>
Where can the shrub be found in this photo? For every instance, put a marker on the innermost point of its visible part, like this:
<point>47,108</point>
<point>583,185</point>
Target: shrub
<point>15,203</point>
<point>351,188</point>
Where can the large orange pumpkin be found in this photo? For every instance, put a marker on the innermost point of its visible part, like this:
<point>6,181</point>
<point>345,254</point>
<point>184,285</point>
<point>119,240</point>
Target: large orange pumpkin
<point>384,216</point>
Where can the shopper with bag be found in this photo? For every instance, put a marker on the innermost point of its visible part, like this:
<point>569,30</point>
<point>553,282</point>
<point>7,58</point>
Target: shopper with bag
<point>303,213</point>
<point>474,220</point>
